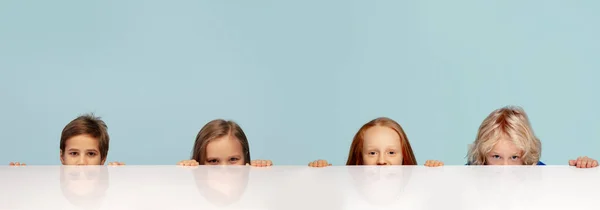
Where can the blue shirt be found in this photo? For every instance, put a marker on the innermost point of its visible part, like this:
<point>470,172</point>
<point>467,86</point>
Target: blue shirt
<point>539,163</point>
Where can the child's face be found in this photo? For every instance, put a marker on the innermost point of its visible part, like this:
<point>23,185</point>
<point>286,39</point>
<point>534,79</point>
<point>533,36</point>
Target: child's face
<point>504,153</point>
<point>381,147</point>
<point>226,150</point>
<point>81,150</point>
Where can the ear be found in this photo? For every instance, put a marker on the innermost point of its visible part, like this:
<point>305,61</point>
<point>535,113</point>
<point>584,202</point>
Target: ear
<point>103,160</point>
<point>62,160</point>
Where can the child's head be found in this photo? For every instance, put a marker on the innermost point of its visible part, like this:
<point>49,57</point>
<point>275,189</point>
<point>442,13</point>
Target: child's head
<point>505,138</point>
<point>221,142</point>
<point>381,142</point>
<point>84,141</point>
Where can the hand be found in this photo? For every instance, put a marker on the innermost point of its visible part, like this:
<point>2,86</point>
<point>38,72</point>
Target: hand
<point>116,164</point>
<point>434,163</point>
<point>188,163</point>
<point>584,162</point>
<point>319,163</point>
<point>260,163</point>
<point>16,164</point>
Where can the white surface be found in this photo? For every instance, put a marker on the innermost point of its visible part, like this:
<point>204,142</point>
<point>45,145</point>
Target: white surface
<point>298,187</point>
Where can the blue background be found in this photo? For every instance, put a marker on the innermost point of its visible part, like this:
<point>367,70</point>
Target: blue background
<point>300,77</point>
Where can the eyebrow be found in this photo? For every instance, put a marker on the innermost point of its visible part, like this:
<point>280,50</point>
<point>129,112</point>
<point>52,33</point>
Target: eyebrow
<point>497,153</point>
<point>387,147</point>
<point>75,149</point>
<point>213,158</point>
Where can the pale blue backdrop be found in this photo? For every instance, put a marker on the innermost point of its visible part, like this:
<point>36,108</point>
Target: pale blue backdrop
<point>300,77</point>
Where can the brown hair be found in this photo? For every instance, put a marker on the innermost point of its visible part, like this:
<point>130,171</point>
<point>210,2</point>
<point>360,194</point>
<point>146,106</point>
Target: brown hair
<point>87,124</point>
<point>216,129</point>
<point>355,154</point>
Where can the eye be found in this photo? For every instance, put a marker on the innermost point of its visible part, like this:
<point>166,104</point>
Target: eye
<point>514,157</point>
<point>496,156</point>
<point>233,159</point>
<point>392,152</point>
<point>73,153</point>
<point>92,154</point>
<point>372,153</point>
<point>213,161</point>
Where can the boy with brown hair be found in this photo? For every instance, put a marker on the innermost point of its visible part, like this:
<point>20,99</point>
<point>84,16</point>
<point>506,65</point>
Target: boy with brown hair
<point>84,141</point>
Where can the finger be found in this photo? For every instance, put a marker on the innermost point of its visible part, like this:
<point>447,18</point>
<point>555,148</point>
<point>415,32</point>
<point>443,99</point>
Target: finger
<point>23,164</point>
<point>269,163</point>
<point>589,164</point>
<point>594,163</point>
<point>584,162</point>
<point>427,163</point>
<point>579,160</point>
<point>572,162</point>
<point>324,163</point>
<point>11,164</point>
<point>263,163</point>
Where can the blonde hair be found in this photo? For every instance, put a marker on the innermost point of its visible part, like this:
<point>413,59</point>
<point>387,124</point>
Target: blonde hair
<point>509,121</point>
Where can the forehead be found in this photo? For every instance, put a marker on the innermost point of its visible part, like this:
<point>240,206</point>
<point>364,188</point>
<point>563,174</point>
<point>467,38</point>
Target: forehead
<point>505,145</point>
<point>82,142</point>
<point>381,135</point>
<point>224,146</point>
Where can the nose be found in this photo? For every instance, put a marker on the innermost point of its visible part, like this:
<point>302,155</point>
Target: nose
<point>82,161</point>
<point>381,160</point>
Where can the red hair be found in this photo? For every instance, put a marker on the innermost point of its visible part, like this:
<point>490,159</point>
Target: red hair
<point>355,154</point>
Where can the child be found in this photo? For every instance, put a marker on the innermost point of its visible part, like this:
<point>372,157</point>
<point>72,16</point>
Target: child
<point>381,141</point>
<point>84,141</point>
<point>222,142</point>
<point>506,138</point>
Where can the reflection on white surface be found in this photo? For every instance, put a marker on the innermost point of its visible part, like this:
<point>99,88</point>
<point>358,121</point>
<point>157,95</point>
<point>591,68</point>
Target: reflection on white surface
<point>222,186</point>
<point>298,187</point>
<point>84,187</point>
<point>380,186</point>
